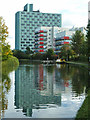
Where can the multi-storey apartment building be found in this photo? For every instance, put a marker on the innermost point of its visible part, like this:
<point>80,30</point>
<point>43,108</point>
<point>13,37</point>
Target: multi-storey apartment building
<point>40,41</point>
<point>47,36</point>
<point>59,42</point>
<point>27,21</point>
<point>64,36</point>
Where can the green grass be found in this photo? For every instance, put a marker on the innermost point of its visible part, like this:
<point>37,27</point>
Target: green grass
<point>84,111</point>
<point>83,64</point>
<point>10,64</point>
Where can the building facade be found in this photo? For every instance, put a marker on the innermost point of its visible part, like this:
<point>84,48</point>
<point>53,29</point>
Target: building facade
<point>40,41</point>
<point>27,21</point>
<point>47,36</point>
<point>64,36</point>
<point>60,42</point>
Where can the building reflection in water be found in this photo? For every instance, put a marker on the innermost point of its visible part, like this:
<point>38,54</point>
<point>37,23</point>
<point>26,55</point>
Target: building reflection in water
<point>37,87</point>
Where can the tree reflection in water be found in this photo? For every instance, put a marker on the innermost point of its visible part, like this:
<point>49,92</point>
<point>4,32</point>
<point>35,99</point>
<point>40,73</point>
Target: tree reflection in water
<point>78,76</point>
<point>36,86</point>
<point>5,87</point>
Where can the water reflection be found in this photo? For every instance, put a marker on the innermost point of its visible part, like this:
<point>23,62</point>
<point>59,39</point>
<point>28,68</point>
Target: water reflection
<point>34,88</point>
<point>5,85</point>
<point>41,87</point>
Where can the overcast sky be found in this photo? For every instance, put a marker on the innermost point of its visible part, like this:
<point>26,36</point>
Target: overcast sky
<point>74,12</point>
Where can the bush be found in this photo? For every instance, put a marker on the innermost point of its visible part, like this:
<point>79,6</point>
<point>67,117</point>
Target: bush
<point>20,54</point>
<point>83,58</point>
<point>10,64</point>
<point>37,56</point>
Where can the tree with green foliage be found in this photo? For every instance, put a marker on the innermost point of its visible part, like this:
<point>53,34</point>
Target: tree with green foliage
<point>77,41</point>
<point>3,31</point>
<point>49,53</point>
<point>66,52</point>
<point>28,51</point>
<point>84,48</point>
<point>4,46</point>
<point>88,39</point>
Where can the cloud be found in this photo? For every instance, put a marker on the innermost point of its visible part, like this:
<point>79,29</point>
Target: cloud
<point>74,12</point>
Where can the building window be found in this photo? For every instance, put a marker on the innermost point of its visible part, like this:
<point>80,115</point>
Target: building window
<point>28,24</point>
<point>24,45</point>
<point>28,36</point>
<point>22,24</point>
<point>25,15</point>
<point>22,30</point>
<point>22,18</point>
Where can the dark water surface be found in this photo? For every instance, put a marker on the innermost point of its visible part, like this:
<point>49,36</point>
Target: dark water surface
<point>44,91</point>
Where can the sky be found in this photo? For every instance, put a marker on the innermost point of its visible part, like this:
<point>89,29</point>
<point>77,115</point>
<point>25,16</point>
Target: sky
<point>74,12</point>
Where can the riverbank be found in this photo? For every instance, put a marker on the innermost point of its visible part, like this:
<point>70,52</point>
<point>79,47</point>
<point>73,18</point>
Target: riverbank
<point>83,64</point>
<point>11,63</point>
<point>83,112</point>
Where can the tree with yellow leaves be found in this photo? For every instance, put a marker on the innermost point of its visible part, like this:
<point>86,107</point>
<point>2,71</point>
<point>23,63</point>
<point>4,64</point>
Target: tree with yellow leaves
<point>4,46</point>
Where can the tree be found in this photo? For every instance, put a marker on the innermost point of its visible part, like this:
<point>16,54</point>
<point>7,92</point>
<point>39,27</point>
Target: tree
<point>77,41</point>
<point>66,51</point>
<point>28,51</point>
<point>88,39</point>
<point>3,31</point>
<point>6,52</point>
<point>84,48</point>
<point>4,47</point>
<point>50,53</point>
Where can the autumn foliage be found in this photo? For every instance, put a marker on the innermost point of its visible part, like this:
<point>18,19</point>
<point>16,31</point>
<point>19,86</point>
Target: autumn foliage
<point>5,51</point>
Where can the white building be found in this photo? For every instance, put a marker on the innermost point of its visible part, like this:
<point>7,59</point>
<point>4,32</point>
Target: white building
<point>45,37</point>
<point>69,31</point>
<point>48,34</point>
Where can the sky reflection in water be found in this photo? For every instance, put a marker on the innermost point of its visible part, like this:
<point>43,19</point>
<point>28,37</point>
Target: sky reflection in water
<point>41,91</point>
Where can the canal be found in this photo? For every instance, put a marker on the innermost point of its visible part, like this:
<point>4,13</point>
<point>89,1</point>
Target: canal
<point>43,91</point>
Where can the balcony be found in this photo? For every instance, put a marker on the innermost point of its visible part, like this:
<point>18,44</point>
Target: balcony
<point>40,31</point>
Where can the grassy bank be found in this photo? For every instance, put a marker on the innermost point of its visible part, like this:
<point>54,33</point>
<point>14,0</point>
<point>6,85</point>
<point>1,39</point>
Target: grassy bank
<point>83,64</point>
<point>84,111</point>
<point>10,64</point>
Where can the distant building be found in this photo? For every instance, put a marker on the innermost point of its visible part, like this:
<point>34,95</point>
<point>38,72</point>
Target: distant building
<point>60,42</point>
<point>27,21</point>
<point>53,37</point>
<point>64,36</point>
<point>69,31</point>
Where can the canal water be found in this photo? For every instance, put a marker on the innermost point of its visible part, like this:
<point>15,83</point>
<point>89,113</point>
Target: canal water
<point>44,91</point>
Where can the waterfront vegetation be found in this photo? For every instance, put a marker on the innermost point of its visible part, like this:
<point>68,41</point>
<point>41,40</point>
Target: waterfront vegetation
<point>76,51</point>
<point>36,56</point>
<point>6,54</point>
<point>8,63</point>
<point>83,112</point>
